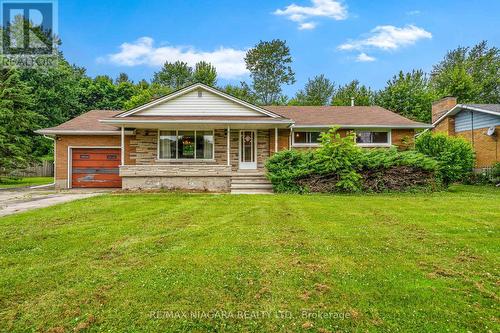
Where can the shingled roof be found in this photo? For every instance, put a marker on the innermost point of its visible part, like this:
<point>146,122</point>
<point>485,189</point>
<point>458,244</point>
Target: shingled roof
<point>344,116</point>
<point>85,122</point>
<point>301,116</point>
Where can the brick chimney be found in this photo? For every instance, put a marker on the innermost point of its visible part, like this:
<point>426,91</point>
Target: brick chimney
<point>440,107</point>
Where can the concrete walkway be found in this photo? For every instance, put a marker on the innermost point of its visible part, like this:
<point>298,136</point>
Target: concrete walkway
<point>16,201</point>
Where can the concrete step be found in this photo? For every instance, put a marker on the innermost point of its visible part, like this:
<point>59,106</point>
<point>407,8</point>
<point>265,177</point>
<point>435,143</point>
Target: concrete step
<point>250,181</point>
<point>251,186</point>
<point>249,175</point>
<point>251,191</point>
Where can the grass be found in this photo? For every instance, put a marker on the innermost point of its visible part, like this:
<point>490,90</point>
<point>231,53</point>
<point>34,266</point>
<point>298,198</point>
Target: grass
<point>288,263</point>
<point>25,182</point>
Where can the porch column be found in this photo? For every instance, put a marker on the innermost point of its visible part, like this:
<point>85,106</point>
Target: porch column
<point>123,145</point>
<point>228,146</point>
<point>275,140</point>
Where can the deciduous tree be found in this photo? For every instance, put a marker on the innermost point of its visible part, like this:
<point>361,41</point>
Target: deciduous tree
<point>269,64</point>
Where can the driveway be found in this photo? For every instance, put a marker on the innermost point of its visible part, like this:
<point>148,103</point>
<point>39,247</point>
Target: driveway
<point>16,201</point>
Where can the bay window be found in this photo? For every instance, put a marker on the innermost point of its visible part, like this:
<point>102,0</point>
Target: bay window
<point>186,145</point>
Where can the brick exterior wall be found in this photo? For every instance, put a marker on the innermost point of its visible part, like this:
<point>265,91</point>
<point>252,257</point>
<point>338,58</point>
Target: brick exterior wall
<point>487,148</point>
<point>446,126</point>
<point>442,106</point>
<point>63,142</point>
<point>403,139</point>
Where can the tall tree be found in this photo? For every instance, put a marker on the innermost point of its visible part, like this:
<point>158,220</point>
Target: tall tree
<point>470,74</point>
<point>174,75</point>
<point>145,94</point>
<point>317,91</point>
<point>269,64</point>
<point>17,119</point>
<point>205,73</point>
<point>242,92</point>
<point>362,95</point>
<point>408,94</point>
<point>122,77</point>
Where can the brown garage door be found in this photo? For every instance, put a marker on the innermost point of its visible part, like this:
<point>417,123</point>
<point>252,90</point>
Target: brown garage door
<point>95,167</point>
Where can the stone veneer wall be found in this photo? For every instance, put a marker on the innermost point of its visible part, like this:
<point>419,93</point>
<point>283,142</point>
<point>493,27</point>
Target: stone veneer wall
<point>146,149</point>
<point>206,178</point>
<point>145,145</point>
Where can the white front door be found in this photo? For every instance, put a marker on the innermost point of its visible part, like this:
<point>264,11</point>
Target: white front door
<point>248,150</point>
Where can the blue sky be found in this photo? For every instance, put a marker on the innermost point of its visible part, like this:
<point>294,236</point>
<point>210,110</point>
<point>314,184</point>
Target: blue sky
<point>365,40</point>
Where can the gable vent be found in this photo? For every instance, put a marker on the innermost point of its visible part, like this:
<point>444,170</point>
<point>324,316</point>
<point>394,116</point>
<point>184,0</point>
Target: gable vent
<point>200,93</point>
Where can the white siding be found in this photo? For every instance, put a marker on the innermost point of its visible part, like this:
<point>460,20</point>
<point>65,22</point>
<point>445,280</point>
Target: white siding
<point>190,104</point>
<point>463,120</point>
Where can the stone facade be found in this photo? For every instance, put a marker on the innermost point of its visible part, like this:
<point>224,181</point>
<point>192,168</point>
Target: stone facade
<point>203,178</point>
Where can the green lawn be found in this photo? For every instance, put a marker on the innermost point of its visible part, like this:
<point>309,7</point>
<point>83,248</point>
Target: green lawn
<point>25,182</point>
<point>288,263</point>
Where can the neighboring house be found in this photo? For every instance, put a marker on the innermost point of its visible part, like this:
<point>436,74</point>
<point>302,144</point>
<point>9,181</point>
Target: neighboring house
<point>199,138</point>
<point>477,123</point>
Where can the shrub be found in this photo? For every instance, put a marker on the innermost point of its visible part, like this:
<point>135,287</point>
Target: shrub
<point>338,156</point>
<point>284,167</point>
<point>455,156</point>
<point>339,165</point>
<point>495,172</point>
<point>392,170</point>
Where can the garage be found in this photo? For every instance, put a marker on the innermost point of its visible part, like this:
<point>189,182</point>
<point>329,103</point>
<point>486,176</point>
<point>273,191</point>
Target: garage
<point>95,167</point>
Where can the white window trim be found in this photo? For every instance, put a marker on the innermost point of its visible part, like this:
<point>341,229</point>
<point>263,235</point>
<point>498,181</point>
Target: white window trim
<point>176,159</point>
<point>372,145</point>
<point>297,144</point>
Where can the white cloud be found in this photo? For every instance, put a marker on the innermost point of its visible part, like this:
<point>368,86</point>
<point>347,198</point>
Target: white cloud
<point>363,57</point>
<point>388,37</point>
<point>333,9</point>
<point>307,26</point>
<point>228,61</point>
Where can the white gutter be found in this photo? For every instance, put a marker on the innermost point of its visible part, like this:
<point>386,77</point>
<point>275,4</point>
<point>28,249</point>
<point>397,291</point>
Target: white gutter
<point>365,126</point>
<point>78,132</point>
<point>196,121</point>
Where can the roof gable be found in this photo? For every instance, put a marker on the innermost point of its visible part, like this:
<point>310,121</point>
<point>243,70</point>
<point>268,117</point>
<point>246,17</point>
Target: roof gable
<point>199,100</point>
<point>492,109</point>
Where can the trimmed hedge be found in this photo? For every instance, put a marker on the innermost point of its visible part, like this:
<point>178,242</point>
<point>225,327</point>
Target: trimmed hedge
<point>339,165</point>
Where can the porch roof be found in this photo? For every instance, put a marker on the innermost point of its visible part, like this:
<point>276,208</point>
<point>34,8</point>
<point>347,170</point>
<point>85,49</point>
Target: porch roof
<point>203,121</point>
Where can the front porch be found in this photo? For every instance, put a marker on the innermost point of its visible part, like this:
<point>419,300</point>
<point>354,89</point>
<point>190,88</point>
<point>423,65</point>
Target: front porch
<point>200,178</point>
<point>212,160</point>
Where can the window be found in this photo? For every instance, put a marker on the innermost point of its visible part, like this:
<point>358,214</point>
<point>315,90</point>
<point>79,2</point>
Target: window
<point>186,145</point>
<point>306,138</point>
<point>372,138</point>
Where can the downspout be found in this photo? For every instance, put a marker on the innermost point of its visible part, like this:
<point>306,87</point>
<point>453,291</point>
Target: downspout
<point>472,128</point>
<point>54,177</point>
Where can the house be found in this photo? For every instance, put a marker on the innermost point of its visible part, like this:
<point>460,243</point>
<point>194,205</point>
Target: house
<point>200,138</point>
<point>477,123</point>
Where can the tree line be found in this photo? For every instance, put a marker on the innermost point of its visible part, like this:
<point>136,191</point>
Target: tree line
<point>33,98</point>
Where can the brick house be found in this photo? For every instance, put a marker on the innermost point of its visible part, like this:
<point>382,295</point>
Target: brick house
<point>477,123</point>
<point>200,138</point>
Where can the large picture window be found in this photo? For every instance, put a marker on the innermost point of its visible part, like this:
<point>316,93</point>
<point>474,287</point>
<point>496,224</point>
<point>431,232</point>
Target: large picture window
<point>306,138</point>
<point>372,137</point>
<point>197,145</point>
